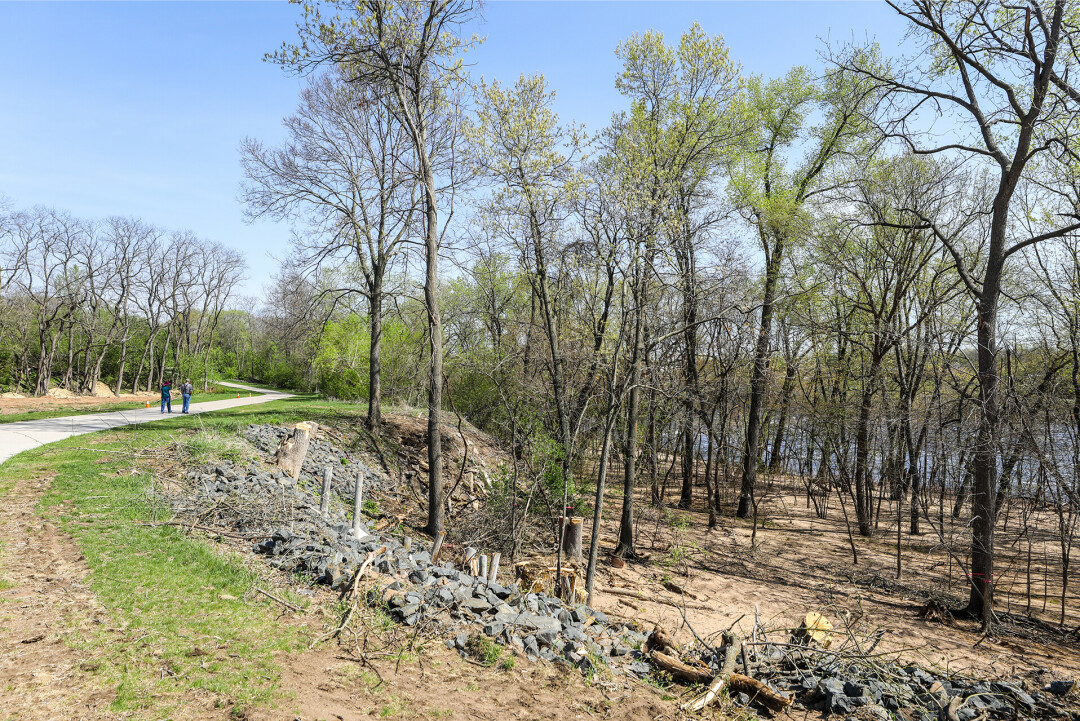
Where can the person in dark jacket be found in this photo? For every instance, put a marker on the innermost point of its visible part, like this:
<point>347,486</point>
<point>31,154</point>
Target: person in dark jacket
<point>166,396</point>
<point>186,389</point>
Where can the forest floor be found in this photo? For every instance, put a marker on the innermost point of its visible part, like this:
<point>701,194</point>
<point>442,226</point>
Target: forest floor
<point>799,563</point>
<point>104,615</point>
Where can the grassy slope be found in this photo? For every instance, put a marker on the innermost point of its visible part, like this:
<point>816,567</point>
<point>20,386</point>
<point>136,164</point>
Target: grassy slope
<point>219,394</point>
<point>171,593</point>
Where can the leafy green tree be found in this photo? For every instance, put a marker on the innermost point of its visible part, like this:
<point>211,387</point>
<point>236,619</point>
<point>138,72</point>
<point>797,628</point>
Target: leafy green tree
<point>797,129</point>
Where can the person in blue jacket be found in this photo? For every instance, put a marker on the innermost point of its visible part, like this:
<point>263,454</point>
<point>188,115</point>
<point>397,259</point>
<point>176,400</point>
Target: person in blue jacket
<point>166,396</point>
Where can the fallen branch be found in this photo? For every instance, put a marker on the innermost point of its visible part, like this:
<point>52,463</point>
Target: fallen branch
<point>282,601</point>
<point>679,670</point>
<point>734,647</point>
<point>758,691</point>
<point>352,609</point>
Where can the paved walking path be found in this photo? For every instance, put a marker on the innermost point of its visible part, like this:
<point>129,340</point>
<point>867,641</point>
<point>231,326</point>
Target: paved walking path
<point>24,435</point>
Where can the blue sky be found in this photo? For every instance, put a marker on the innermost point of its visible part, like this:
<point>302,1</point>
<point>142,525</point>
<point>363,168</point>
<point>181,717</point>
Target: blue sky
<point>130,108</point>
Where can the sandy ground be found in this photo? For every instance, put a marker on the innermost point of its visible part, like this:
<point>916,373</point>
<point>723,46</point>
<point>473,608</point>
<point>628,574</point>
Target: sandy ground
<point>47,598</point>
<point>45,403</point>
<point>801,563</point>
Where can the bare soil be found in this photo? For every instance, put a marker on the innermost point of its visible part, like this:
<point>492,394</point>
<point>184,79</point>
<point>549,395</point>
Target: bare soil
<point>45,403</point>
<point>800,563</point>
<point>44,598</point>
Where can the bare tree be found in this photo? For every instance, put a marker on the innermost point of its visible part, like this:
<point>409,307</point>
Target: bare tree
<point>995,74</point>
<point>343,171</point>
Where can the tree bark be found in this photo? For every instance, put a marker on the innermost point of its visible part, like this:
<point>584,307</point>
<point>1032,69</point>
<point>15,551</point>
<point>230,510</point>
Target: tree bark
<point>759,380</point>
<point>374,416</point>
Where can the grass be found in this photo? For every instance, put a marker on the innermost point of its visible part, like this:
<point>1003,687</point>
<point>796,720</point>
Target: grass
<point>183,620</point>
<point>218,394</point>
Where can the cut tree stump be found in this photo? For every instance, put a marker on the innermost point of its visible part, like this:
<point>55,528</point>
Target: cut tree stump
<point>571,539</point>
<point>293,448</point>
<point>324,499</point>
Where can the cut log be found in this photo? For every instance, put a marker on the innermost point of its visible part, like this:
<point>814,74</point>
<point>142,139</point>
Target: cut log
<point>658,640</point>
<point>293,448</point>
<point>679,670</point>
<point>494,571</point>
<point>571,539</point>
<point>731,653</point>
<point>759,692</point>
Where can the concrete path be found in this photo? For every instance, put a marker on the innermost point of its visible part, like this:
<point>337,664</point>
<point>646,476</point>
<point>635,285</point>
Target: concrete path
<point>18,437</point>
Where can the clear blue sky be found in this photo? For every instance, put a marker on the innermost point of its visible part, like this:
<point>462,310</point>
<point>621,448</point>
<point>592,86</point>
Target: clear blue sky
<point>131,108</point>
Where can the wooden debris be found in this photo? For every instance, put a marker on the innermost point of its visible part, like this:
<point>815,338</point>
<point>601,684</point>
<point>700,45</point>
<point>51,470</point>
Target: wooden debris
<point>815,629</point>
<point>759,692</point>
<point>731,653</point>
<point>678,670</point>
<point>293,448</point>
<point>658,599</point>
<point>659,640</point>
<point>936,611</point>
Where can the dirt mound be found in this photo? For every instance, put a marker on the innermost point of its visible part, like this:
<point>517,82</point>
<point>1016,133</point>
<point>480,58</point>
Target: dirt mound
<point>101,390</point>
<point>12,395</point>
<point>60,393</point>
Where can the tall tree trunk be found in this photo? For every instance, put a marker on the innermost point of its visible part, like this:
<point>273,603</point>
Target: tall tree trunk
<point>435,367</point>
<point>984,471</point>
<point>863,490</point>
<point>759,380</point>
<point>785,402</point>
<point>625,547</point>
<point>374,416</point>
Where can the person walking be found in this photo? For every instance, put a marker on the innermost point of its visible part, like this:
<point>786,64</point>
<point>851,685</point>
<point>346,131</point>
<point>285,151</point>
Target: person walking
<point>166,396</point>
<point>186,390</point>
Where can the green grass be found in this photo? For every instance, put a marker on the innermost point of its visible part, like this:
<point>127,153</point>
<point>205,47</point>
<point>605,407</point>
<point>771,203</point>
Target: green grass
<point>182,617</point>
<point>262,386</point>
<point>220,393</point>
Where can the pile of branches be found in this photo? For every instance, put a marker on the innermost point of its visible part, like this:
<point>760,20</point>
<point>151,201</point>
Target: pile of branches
<point>806,671</point>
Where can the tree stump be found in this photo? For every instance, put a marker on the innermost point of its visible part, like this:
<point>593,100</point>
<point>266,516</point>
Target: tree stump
<point>571,539</point>
<point>293,448</point>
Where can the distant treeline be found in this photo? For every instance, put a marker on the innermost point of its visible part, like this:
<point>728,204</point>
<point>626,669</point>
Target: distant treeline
<point>118,301</point>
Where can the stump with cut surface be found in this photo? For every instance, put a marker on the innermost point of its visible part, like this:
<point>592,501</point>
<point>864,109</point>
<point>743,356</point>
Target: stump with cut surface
<point>571,539</point>
<point>293,448</point>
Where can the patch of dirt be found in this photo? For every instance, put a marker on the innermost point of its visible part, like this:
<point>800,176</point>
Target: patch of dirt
<point>800,563</point>
<point>327,685</point>
<point>49,403</point>
<point>44,595</point>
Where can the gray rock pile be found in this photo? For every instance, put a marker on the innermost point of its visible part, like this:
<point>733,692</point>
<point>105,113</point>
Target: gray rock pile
<point>857,687</point>
<point>283,517</point>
